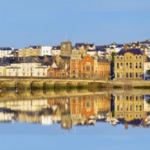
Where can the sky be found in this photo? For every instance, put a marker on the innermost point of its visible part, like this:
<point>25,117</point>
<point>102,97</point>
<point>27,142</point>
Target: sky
<point>49,22</point>
<point>102,136</point>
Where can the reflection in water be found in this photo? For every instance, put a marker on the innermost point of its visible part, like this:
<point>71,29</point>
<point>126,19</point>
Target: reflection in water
<point>126,108</point>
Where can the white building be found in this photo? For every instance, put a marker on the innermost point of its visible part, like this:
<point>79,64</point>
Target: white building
<point>5,51</point>
<point>46,120</point>
<point>28,69</point>
<point>91,52</point>
<point>56,50</point>
<point>45,50</point>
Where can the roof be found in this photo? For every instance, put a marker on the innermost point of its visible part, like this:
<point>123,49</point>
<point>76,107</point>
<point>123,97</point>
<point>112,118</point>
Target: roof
<point>34,46</point>
<point>5,48</point>
<point>83,44</point>
<point>56,47</point>
<point>134,51</point>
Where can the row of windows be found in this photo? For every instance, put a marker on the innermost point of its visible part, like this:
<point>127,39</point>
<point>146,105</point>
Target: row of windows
<point>88,68</point>
<point>24,74</point>
<point>129,65</point>
<point>129,75</point>
<point>136,57</point>
<point>130,108</point>
<point>121,115</point>
<point>130,97</point>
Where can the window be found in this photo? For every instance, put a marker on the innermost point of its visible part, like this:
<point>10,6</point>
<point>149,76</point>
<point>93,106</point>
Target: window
<point>83,68</point>
<point>118,65</point>
<point>117,75</point>
<point>130,65</point>
<point>121,64</point>
<point>136,75</point>
<point>136,66</point>
<point>43,74</point>
<point>140,107</point>
<point>88,68</point>
<point>117,57</point>
<point>136,97</point>
<point>117,107</point>
<point>130,57</point>
<point>126,75</point>
<point>130,75</point>
<point>130,107</point>
<point>91,68</point>
<point>139,57</point>
<point>127,57</point>
<point>126,65</point>
<point>136,107</point>
<point>130,97</point>
<point>136,57</point>
<point>126,97</point>
<point>121,57</point>
<point>140,65</point>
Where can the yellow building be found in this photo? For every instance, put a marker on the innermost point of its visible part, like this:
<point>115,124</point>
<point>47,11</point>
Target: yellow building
<point>31,51</point>
<point>2,70</point>
<point>129,64</point>
<point>129,106</point>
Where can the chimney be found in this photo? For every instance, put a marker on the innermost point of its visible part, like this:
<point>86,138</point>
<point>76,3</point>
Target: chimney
<point>145,56</point>
<point>126,126</point>
<point>126,47</point>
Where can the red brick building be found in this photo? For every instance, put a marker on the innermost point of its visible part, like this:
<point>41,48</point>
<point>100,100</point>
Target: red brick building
<point>55,72</point>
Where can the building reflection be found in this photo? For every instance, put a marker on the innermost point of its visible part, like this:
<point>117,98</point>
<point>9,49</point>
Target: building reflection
<point>130,109</point>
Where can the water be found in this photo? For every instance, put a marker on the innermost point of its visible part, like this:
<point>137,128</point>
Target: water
<point>75,120</point>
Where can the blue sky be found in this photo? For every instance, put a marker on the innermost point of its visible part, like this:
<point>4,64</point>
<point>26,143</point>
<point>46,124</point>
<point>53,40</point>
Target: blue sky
<point>99,137</point>
<point>47,22</point>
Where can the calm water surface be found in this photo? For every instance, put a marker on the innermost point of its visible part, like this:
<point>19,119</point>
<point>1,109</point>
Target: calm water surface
<point>81,120</point>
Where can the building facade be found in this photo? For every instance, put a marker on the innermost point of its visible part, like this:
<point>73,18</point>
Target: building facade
<point>129,64</point>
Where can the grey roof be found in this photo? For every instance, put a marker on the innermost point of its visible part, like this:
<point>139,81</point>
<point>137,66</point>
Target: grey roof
<point>34,46</point>
<point>5,48</point>
<point>56,47</point>
<point>83,44</point>
<point>134,51</point>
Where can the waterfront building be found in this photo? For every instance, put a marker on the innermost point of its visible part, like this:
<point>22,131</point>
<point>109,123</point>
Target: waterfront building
<point>87,65</point>
<point>129,64</point>
<point>29,67</point>
<point>129,108</point>
<point>102,68</point>
<point>55,72</point>
<point>75,63</point>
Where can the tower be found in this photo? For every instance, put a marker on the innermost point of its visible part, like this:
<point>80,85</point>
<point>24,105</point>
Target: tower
<point>66,49</point>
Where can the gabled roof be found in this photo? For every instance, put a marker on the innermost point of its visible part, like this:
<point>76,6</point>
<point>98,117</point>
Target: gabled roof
<point>83,44</point>
<point>134,51</point>
<point>54,66</point>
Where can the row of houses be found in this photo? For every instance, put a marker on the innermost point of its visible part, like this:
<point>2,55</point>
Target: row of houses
<point>129,109</point>
<point>56,67</point>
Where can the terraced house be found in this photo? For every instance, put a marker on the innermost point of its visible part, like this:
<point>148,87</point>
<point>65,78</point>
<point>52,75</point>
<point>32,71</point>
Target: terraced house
<point>129,64</point>
<point>30,51</point>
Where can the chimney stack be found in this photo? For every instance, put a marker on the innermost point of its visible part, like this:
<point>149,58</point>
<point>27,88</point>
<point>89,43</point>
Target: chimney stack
<point>126,47</point>
<point>145,56</point>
